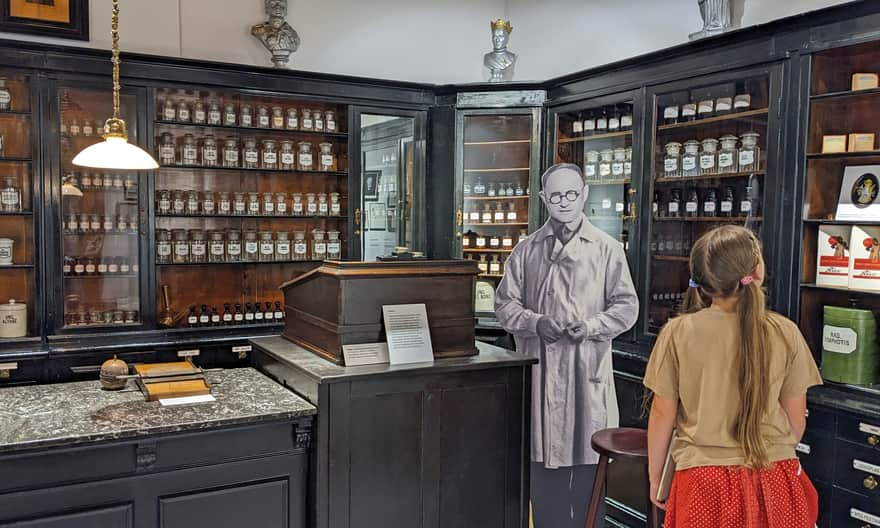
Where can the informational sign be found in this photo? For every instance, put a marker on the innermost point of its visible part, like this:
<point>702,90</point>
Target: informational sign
<point>365,354</point>
<point>860,194</point>
<point>186,400</point>
<point>409,338</point>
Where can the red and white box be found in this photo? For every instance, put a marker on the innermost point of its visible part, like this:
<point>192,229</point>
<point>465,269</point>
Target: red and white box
<point>833,256</point>
<point>864,269</point>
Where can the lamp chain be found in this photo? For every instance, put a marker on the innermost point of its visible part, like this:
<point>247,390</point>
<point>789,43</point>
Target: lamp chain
<point>114,33</point>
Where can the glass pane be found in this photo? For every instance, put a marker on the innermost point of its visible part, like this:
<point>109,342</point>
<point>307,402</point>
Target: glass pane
<point>708,170</point>
<point>100,229</point>
<point>387,177</point>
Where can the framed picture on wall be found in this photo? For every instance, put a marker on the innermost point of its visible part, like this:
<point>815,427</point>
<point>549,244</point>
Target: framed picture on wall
<point>371,185</point>
<point>49,18</point>
<point>377,218</point>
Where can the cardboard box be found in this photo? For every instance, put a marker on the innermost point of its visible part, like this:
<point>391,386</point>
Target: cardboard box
<point>864,269</point>
<point>833,256</point>
<point>833,144</point>
<point>860,142</point>
<point>864,81</point>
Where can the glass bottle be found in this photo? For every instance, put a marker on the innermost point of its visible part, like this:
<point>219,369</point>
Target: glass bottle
<point>627,163</point>
<point>673,206</point>
<point>251,247</point>
<point>742,103</point>
<point>466,188</point>
<point>192,320</point>
<point>85,181</point>
<point>183,114</point>
<point>239,204</point>
<point>178,202</point>
<point>258,313</point>
<point>318,117</point>
<point>282,246</point>
<point>192,203</point>
<point>269,314</point>
<point>167,149</point>
<point>509,190</point>
<point>118,182</point>
<point>253,203</point>
<point>181,246</point>
<point>519,189</point>
<point>335,204</point>
<point>107,224</point>
<point>292,119</point>
<point>224,204</point>
<point>304,161</point>
<point>277,117</point>
<point>486,217</point>
<point>198,246</point>
<point>473,215</point>
<point>480,241</point>
<point>306,123</point>
<point>706,106</point>
<point>250,154</point>
<point>495,266</point>
<point>311,204</point>
<point>227,315</point>
<point>334,246</point>
<point>204,316</point>
<point>327,158</point>
<point>749,153</point>
<point>215,116</point>
<point>209,151</point>
<point>323,205</point>
<point>279,314</point>
<point>656,211</point>
<point>288,156</point>
<point>268,208</point>
<point>672,160</point>
<point>319,245</point>
<point>591,166</point>
<point>233,245</point>
<point>606,159</point>
<point>169,113</point>
<point>88,129</point>
<point>107,181</point>
<point>689,112</point>
<point>264,120</point>
<point>300,247</point>
<point>230,152</point>
<point>10,195</point>
<point>692,205</point>
<point>709,157</point>
<point>723,105</point>
<point>617,165</point>
<point>727,200</point>
<point>215,317</point>
<point>626,119</point>
<point>330,121</point>
<point>510,217</point>
<point>75,129</point>
<point>727,156</point>
<point>602,122</point>
<point>589,124</point>
<point>270,154</point>
<point>498,217</point>
<point>671,113</point>
<point>248,314</point>
<point>209,204</point>
<point>84,223</point>
<point>710,202</point>
<point>507,241</point>
<point>199,113</point>
<point>690,160</point>
<point>216,247</point>
<point>229,117</point>
<point>297,208</point>
<point>237,316</point>
<point>71,225</point>
<point>490,192</point>
<point>614,120</point>
<point>163,246</point>
<point>267,247</point>
<point>479,188</point>
<point>95,223</point>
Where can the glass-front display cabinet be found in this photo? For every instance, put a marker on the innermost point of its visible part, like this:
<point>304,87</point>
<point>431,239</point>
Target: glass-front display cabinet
<point>498,171</point>
<point>840,268</point>
<point>19,184</point>
<point>712,162</point>
<point>252,190</point>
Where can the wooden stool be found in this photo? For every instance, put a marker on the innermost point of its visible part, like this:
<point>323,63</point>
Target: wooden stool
<point>620,442</point>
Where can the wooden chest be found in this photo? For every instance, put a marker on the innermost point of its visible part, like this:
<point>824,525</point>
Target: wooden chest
<point>340,303</point>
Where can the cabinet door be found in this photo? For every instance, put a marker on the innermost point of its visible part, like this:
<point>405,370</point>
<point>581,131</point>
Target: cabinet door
<point>264,504</point>
<point>112,517</point>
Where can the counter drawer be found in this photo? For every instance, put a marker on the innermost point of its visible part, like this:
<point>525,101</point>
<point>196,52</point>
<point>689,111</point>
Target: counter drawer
<point>816,454</point>
<point>820,421</point>
<point>862,431</point>
<point>858,470</point>
<point>854,511</point>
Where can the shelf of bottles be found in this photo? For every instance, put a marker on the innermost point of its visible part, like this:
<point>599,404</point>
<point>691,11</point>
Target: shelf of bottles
<point>252,191</point>
<point>708,169</point>
<point>99,230</point>
<point>600,141</point>
<point>17,249</point>
<point>496,167</point>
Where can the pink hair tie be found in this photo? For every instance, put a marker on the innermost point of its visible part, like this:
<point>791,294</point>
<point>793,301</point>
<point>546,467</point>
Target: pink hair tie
<point>748,279</point>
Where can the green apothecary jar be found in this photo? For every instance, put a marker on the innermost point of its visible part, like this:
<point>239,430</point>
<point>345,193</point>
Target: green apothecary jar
<point>849,346</point>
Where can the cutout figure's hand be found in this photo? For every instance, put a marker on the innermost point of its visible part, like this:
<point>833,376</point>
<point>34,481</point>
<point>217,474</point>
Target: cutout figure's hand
<point>549,330</point>
<point>576,331</point>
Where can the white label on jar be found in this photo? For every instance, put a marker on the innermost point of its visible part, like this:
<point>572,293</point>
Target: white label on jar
<point>277,122</point>
<point>250,247</point>
<point>227,317</point>
<point>495,242</point>
<point>90,268</point>
<point>210,155</point>
<point>84,225</point>
<point>239,207</point>
<point>323,208</point>
<point>866,467</point>
<point>577,127</point>
<point>691,207</point>
<point>689,110</point>
<point>230,118</point>
<point>251,156</point>
<point>670,165</point>
<point>499,217</point>
<point>606,204</point>
<point>617,169</point>
<point>283,249</point>
<point>113,268</point>
<point>602,123</point>
<point>334,248</point>
<point>164,249</point>
<point>862,516</point>
<point>79,268</point>
<point>215,318</point>
<point>590,171</point>
<point>725,159</point>
<point>287,158</point>
<point>726,207</point>
<point>474,216</point>
<point>707,161</point>
<point>868,428</point>
<point>267,247</point>
<point>239,317</point>
<point>299,248</point>
<point>614,123</point>
<point>507,242</point>
<point>626,121</point>
<point>589,125</point>
<point>297,208</point>
<point>618,207</point>
<point>192,206</point>
<point>745,206</point>
<point>190,154</point>
<point>305,160</point>
<point>264,121</point>
<point>481,242</point>
<point>214,116</point>
<point>192,319</point>
<point>88,130</point>
<point>102,268</point>
<point>746,157</point>
<point>166,152</point>
<point>331,126</point>
<point>225,207</point>
<point>282,207</point>
<point>292,122</point>
<point>199,116</point>
<point>65,269</point>
<point>654,207</point>
<point>169,114</point>
<point>335,209</point>
<point>326,160</point>
<point>604,170</point>
<point>839,340</point>
<point>487,218</point>
<point>319,123</point>
<point>312,208</point>
<point>672,207</point>
<point>742,101</point>
<point>95,225</point>
<point>183,114</point>
<point>689,163</point>
<point>204,319</point>
<point>307,123</point>
<point>270,158</point>
<point>74,129</point>
<point>511,216</point>
<point>217,249</point>
<point>233,248</point>
<point>181,250</point>
<point>268,207</point>
<point>320,248</point>
<point>72,225</point>
<point>198,249</point>
<point>670,112</point>
<point>208,206</point>
<point>231,156</point>
<point>254,207</point>
<point>249,316</point>
<point>709,207</point>
<point>706,107</point>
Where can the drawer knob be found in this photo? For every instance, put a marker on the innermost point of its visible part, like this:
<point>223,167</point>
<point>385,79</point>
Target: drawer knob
<point>873,440</point>
<point>870,482</point>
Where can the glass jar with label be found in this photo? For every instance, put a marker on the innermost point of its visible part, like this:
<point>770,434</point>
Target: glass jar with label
<point>334,245</point>
<point>292,119</point>
<point>323,205</point>
<point>95,223</point>
<point>209,203</point>
<point>84,223</point>
<point>330,121</point>
<point>304,161</point>
<point>591,165</point>
<point>287,156</point>
<point>723,105</point>
<point>673,206</point>
<point>224,203</point>
<point>690,160</point>
<point>710,202</point>
<point>270,154</point>
<point>183,115</point>
<point>671,113</point>
<point>239,204</point>
<point>71,225</point>
<point>131,184</point>
<point>319,245</point>
<point>253,203</point>
<point>706,106</point>
<point>318,118</point>
<point>627,163</point>
<point>507,241</point>
<point>277,117</point>
<point>192,202</point>
<point>510,217</point>
<point>617,164</point>
<point>727,156</point>
<point>209,151</point>
<point>672,160</point>
<point>268,204</point>
<point>281,204</point>
<point>198,246</point>
<point>335,204</point>
<point>178,202</point>
<point>233,245</point>
<point>267,247</point>
<point>606,159</point>
<point>108,224</point>
<point>169,112</point>
<point>85,181</point>
<point>167,150</point>
<point>75,129</point>
<point>164,249</point>
<point>311,204</point>
<point>215,115</point>
<point>327,159</point>
<point>486,215</point>
<point>306,123</point>
<point>229,116</point>
<point>709,157</point>
<point>300,247</point>
<point>749,152</point>
<point>498,216</point>
<point>296,207</point>
<point>180,242</point>
<point>107,181</point>
<point>727,199</point>
<point>118,182</point>
<point>88,129</point>
<point>250,154</point>
<point>230,152</point>
<point>495,242</point>
<point>480,241</point>
<point>216,246</point>
<point>264,120</point>
<point>251,247</point>
<point>282,246</point>
<point>689,112</point>
<point>199,113</point>
<point>692,205</point>
<point>742,103</point>
<point>132,225</point>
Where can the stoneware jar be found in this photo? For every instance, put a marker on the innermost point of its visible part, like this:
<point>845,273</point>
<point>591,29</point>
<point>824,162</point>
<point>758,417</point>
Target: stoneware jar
<point>13,319</point>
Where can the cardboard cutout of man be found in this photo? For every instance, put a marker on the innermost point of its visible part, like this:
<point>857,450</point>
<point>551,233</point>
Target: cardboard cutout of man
<point>566,293</point>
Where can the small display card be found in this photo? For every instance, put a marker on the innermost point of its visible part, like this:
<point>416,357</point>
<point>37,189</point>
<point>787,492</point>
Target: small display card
<point>185,400</point>
<point>365,354</point>
<point>833,254</point>
<point>864,269</point>
<point>859,198</point>
<point>409,338</point>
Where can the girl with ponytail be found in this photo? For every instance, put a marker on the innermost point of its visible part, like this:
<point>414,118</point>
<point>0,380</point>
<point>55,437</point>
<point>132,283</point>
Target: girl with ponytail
<point>729,378</point>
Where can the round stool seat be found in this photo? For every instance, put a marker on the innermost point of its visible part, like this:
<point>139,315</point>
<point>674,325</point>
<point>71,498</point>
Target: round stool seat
<point>621,442</point>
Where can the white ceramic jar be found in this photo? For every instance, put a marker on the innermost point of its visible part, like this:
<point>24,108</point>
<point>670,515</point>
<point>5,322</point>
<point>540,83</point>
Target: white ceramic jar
<point>13,319</point>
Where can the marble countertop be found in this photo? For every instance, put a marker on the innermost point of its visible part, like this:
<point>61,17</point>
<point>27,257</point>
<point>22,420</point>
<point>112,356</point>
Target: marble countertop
<point>65,414</point>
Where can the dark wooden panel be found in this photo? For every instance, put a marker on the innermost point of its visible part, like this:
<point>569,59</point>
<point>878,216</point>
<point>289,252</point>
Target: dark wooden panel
<point>219,446</point>
<point>263,504</point>
<point>847,476</point>
<point>112,517</point>
<point>852,427</point>
<point>54,467</point>
<point>844,504</point>
<point>824,491</point>
<point>819,462</point>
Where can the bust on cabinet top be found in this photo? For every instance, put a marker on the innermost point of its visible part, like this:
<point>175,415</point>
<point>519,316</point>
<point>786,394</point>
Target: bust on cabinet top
<point>500,61</point>
<point>276,34</point>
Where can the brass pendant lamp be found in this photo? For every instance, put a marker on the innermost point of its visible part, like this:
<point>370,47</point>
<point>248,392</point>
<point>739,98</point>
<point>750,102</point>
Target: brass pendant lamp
<point>115,152</point>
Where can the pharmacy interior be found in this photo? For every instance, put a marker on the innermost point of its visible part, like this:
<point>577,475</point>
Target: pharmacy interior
<point>264,174</point>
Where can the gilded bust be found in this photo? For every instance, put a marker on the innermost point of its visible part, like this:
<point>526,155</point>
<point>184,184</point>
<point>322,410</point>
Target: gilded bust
<point>500,61</point>
<point>276,34</point>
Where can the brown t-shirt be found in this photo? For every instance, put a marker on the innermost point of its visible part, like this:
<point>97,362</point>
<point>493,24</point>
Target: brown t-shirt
<point>695,362</point>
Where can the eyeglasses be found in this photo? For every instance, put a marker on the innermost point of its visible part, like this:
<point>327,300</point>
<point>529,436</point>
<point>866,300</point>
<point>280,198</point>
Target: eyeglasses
<point>556,198</point>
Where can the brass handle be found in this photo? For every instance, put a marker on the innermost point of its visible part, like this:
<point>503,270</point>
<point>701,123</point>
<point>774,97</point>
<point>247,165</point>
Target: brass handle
<point>870,482</point>
<point>459,221</point>
<point>873,440</point>
<point>357,221</point>
<point>632,216</point>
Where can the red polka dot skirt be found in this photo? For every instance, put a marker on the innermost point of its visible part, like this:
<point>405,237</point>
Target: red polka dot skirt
<point>736,497</point>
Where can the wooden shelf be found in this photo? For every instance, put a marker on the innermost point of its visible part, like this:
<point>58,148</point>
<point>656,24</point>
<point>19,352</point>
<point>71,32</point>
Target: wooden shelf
<point>240,263</point>
<point>513,224</point>
<point>710,177</point>
<point>596,137</point>
<point>672,258</point>
<point>14,113</point>
<point>103,276</point>
<point>257,217</point>
<point>473,250</point>
<point>220,328</point>
<point>612,182</point>
<point>20,213</point>
<point>164,123</point>
<point>512,169</point>
<point>16,266</point>
<point>844,155</point>
<point>12,159</point>
<point>521,197</point>
<point>500,142</point>
<point>817,221</point>
<point>713,219</point>
<point>847,94</point>
<point>718,119</point>
<point>814,286</point>
<point>241,169</point>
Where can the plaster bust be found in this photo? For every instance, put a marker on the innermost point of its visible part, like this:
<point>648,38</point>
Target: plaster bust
<point>500,61</point>
<point>276,34</point>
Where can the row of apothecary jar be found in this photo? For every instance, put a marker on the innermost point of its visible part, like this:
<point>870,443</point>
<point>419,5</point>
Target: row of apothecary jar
<point>704,157</point>
<point>608,164</point>
<point>209,203</point>
<point>86,223</point>
<point>90,266</point>
<point>251,154</point>
<point>471,240</point>
<point>196,246</point>
<point>107,182</point>
<point>216,113</point>
<point>95,316</point>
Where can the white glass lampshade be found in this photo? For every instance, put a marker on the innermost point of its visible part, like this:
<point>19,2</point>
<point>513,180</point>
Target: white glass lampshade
<point>115,153</point>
